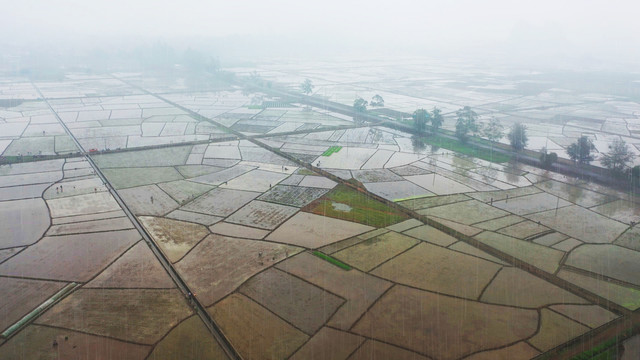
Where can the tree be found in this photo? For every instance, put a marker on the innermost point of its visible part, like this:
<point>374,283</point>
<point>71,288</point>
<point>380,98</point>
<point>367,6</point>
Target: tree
<point>199,63</point>
<point>635,175</point>
<point>436,119</point>
<point>518,136</point>
<point>462,130</point>
<point>466,123</point>
<point>420,118</point>
<point>493,131</point>
<point>618,156</point>
<point>547,159</point>
<point>377,100</point>
<point>307,87</point>
<point>253,83</point>
<point>580,150</point>
<point>199,69</point>
<point>360,105</point>
<point>418,145</point>
<point>255,77</point>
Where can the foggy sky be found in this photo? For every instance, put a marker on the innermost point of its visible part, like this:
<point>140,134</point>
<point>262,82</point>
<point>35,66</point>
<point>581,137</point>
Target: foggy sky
<point>606,29</point>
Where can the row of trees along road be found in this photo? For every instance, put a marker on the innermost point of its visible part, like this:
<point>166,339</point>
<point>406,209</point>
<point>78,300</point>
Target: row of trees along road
<point>421,117</point>
<point>581,152</point>
<point>616,159</point>
<point>359,104</point>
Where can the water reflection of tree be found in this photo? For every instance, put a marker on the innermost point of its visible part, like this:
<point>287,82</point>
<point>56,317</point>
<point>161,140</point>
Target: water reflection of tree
<point>512,171</point>
<point>461,165</point>
<point>513,166</point>
<point>256,99</point>
<point>375,135</point>
<point>574,192</point>
<point>488,174</point>
<point>196,82</point>
<point>418,144</point>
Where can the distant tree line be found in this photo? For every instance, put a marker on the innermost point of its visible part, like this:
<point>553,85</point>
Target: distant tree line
<point>617,159</point>
<point>581,152</point>
<point>421,117</point>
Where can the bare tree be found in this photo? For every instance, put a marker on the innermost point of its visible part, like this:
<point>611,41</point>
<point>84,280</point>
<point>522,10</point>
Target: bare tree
<point>618,156</point>
<point>307,87</point>
<point>493,131</point>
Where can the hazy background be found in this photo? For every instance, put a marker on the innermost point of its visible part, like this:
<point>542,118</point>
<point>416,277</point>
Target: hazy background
<point>586,34</point>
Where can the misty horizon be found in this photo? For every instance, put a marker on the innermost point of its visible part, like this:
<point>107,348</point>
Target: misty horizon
<point>591,35</point>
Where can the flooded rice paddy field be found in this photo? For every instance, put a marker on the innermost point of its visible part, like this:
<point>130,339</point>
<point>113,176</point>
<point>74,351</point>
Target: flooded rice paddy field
<point>557,108</point>
<point>267,217</point>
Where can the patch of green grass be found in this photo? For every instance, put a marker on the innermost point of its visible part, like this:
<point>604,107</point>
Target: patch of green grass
<point>362,209</point>
<point>610,354</point>
<point>18,159</point>
<point>466,148</point>
<point>305,171</point>
<point>456,145</point>
<point>331,150</point>
<point>6,103</point>
<point>122,178</point>
<point>11,159</point>
<point>608,350</point>
<point>633,305</point>
<point>405,121</point>
<point>332,260</point>
<point>254,107</point>
<point>411,198</point>
<point>355,183</point>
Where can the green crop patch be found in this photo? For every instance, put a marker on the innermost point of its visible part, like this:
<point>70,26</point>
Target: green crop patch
<point>11,159</point>
<point>466,148</point>
<point>348,204</point>
<point>411,198</point>
<point>332,260</point>
<point>331,150</point>
<point>608,350</point>
<point>305,171</point>
<point>633,305</point>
